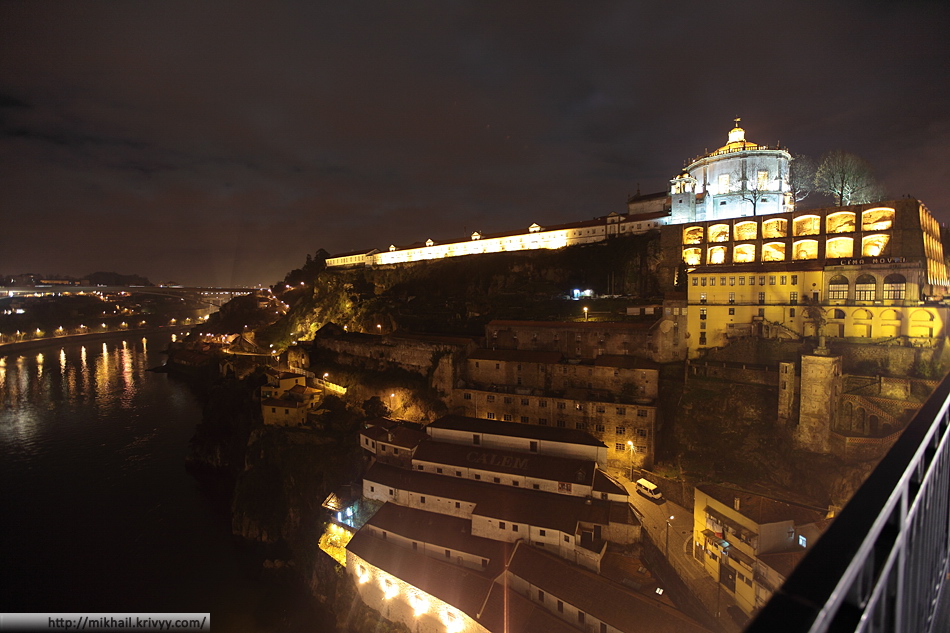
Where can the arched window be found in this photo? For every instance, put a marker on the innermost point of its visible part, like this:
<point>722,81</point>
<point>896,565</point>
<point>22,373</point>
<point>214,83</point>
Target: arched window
<point>692,256</point>
<point>879,219</point>
<point>922,324</point>
<point>859,421</point>
<point>807,225</point>
<point>894,286</point>
<point>805,249</point>
<point>745,230</point>
<point>864,288</point>
<point>873,245</point>
<point>776,227</point>
<point>837,314</point>
<point>719,233</point>
<point>773,252</point>
<point>840,247</point>
<point>838,287</point>
<point>861,315</point>
<point>716,255</point>
<point>743,253</point>
<point>841,222</point>
<point>693,235</point>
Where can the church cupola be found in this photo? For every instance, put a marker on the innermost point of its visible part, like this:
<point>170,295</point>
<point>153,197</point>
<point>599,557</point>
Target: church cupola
<point>737,134</point>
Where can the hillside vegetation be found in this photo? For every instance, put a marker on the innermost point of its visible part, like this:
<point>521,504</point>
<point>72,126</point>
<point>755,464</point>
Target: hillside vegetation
<point>456,295</point>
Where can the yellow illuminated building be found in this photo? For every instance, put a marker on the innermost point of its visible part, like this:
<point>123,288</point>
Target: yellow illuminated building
<point>872,271</point>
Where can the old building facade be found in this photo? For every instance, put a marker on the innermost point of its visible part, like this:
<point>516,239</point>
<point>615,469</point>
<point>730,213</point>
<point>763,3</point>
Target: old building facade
<point>869,271</point>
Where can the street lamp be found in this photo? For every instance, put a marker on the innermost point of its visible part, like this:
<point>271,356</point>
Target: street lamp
<point>668,537</point>
<point>391,396</point>
<point>630,450</point>
<point>379,329</point>
<point>585,313</point>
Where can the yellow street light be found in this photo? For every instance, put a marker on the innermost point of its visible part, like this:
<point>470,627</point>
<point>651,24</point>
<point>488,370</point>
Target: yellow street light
<point>585,313</point>
<point>630,448</point>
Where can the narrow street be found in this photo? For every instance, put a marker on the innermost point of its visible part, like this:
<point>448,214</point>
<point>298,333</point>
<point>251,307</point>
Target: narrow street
<point>670,527</point>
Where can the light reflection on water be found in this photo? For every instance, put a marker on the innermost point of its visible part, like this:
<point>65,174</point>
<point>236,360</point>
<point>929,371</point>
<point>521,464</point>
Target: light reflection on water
<point>31,388</point>
<point>97,512</point>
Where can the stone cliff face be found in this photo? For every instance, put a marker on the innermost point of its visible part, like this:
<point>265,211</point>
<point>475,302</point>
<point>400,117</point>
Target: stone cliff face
<point>220,440</point>
<point>281,477</point>
<point>288,473</point>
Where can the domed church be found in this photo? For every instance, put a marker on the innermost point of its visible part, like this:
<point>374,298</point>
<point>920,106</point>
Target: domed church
<point>739,179</point>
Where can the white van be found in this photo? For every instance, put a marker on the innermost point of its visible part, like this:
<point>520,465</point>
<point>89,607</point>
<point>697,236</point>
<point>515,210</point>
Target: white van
<point>648,489</point>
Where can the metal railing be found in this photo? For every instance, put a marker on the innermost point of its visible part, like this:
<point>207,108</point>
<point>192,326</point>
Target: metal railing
<point>882,562</point>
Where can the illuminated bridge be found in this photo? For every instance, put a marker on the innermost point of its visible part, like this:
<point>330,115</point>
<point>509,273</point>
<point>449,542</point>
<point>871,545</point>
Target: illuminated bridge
<point>882,565</point>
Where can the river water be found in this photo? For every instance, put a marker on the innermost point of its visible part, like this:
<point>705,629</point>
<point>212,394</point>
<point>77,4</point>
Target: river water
<point>97,511</point>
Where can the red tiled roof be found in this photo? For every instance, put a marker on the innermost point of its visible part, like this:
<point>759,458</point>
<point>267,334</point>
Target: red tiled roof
<point>783,562</point>
<point>402,437</point>
<point>437,529</point>
<point>605,483</point>
<point>533,465</point>
<point>463,588</point>
<point>544,509</point>
<point>603,599</point>
<point>515,429</point>
<point>761,509</point>
<point>507,611</point>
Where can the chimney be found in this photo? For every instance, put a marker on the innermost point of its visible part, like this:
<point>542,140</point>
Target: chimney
<point>735,503</point>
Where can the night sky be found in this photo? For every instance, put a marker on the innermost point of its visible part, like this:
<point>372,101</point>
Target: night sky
<point>220,142</point>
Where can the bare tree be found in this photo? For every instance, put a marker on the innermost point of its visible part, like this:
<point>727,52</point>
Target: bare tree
<point>801,177</point>
<point>751,188</point>
<point>848,178</point>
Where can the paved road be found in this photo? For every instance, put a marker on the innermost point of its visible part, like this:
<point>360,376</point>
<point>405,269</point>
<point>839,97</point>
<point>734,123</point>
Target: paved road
<point>670,527</point>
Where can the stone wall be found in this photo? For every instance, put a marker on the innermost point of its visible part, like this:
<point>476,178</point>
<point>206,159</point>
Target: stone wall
<point>437,360</point>
<point>820,389</point>
<point>855,449</point>
<point>735,372</point>
<point>639,383</point>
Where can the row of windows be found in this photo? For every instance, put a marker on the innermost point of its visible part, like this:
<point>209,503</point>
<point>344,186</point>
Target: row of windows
<point>578,406</point>
<point>792,299</point>
<point>871,246</point>
<point>581,616</point>
<point>590,371</point>
<point>780,279</point>
<point>620,447</point>
<point>865,287</point>
<point>880,219</point>
<point>458,473</point>
<point>599,428</point>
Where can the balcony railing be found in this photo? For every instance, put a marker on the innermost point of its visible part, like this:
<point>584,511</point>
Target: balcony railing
<point>881,564</point>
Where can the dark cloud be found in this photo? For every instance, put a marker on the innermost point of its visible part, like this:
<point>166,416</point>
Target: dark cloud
<point>222,142</point>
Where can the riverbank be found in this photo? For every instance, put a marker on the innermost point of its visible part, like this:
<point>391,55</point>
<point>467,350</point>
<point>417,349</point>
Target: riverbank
<point>91,337</point>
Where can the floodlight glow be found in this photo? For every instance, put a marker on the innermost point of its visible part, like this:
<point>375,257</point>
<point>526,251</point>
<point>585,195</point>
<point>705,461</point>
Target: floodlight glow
<point>419,604</point>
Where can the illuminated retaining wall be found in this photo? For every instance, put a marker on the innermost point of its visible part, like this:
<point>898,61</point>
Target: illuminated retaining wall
<point>399,601</point>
